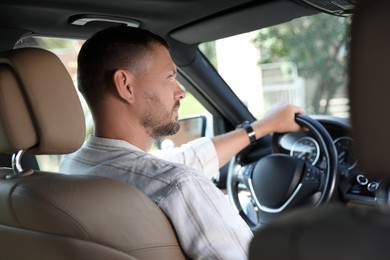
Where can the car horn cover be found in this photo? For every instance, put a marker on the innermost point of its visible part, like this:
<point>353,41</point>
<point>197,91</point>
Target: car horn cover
<point>274,179</point>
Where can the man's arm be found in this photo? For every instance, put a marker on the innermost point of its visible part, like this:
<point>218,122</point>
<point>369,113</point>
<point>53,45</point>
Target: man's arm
<point>199,154</point>
<point>280,118</point>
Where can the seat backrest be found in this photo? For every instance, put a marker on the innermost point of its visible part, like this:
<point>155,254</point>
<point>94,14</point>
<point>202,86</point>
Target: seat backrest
<point>46,215</point>
<point>337,231</point>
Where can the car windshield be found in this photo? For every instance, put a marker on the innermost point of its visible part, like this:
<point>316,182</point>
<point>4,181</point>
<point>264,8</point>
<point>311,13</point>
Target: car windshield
<point>301,62</point>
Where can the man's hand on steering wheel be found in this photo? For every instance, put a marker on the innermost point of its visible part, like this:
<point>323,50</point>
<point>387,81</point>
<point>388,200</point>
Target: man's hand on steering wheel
<point>278,119</point>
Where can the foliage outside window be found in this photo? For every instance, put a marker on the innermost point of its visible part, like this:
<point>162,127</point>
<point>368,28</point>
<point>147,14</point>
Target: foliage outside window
<point>302,62</point>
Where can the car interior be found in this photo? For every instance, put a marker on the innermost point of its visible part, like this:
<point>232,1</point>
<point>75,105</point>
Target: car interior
<point>317,194</point>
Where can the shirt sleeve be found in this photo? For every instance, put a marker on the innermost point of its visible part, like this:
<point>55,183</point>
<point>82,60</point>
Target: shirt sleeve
<point>206,224</point>
<point>199,154</point>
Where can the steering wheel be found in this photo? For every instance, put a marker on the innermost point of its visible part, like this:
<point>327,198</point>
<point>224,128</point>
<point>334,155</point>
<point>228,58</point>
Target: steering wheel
<point>279,182</point>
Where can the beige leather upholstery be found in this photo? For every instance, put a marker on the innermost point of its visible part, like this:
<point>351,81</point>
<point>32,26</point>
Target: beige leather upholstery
<point>55,216</point>
<point>53,112</point>
<point>338,232</point>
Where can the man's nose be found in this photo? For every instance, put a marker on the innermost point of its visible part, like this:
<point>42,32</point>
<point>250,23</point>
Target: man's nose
<point>180,92</point>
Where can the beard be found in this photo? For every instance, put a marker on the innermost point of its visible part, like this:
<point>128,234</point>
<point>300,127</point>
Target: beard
<point>157,120</point>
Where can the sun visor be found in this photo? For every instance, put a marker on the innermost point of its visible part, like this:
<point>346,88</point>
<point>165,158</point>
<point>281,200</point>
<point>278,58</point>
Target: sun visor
<point>248,19</point>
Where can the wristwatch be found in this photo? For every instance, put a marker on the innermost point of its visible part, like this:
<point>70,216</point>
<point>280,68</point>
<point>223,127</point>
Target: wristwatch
<point>249,130</point>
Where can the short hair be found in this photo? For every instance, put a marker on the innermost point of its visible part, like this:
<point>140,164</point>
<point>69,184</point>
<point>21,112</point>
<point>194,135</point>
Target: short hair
<point>114,48</point>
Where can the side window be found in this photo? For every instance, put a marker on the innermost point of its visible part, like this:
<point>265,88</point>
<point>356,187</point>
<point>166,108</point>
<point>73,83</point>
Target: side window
<point>67,50</point>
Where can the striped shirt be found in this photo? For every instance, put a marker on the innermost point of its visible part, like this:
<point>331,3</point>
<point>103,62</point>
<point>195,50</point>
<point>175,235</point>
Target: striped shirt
<point>206,224</point>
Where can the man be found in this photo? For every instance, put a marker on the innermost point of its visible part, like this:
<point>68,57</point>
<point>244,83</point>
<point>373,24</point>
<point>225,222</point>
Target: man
<point>129,82</point>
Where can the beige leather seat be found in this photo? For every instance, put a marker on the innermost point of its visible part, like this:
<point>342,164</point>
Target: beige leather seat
<point>46,215</point>
<point>334,231</point>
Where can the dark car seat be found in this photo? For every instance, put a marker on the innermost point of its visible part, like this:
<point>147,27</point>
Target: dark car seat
<point>340,232</point>
<point>45,215</point>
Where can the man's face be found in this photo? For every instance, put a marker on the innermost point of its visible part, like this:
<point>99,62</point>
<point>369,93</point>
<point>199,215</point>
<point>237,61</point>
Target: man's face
<point>160,94</point>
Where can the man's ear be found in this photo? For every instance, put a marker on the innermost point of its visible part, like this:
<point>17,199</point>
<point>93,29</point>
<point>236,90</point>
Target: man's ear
<point>123,81</point>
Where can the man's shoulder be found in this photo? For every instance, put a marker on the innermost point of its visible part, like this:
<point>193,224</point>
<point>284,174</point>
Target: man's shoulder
<point>170,171</point>
<point>127,161</point>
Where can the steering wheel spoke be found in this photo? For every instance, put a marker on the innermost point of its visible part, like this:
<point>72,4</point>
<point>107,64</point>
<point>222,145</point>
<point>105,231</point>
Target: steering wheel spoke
<point>244,175</point>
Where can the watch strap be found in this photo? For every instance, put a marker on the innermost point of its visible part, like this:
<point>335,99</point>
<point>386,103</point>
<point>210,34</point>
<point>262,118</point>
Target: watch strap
<point>249,130</point>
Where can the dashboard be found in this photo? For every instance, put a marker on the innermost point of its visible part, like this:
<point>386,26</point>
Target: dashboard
<point>354,185</point>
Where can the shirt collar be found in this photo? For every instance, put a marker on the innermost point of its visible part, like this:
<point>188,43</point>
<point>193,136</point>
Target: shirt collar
<point>99,141</point>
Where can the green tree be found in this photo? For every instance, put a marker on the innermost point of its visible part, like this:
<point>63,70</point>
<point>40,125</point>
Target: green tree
<point>209,50</point>
<point>318,46</point>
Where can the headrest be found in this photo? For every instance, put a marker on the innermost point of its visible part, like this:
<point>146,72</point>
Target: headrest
<point>369,86</point>
<point>40,110</point>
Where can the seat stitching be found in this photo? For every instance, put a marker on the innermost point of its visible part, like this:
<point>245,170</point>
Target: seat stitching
<point>52,205</point>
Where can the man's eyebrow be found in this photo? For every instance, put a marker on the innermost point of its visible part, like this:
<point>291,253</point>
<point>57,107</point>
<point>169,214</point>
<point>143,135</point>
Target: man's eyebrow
<point>171,67</point>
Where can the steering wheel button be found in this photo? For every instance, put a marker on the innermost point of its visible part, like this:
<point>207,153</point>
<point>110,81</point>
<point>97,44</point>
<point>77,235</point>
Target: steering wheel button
<point>361,179</point>
<point>373,186</point>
